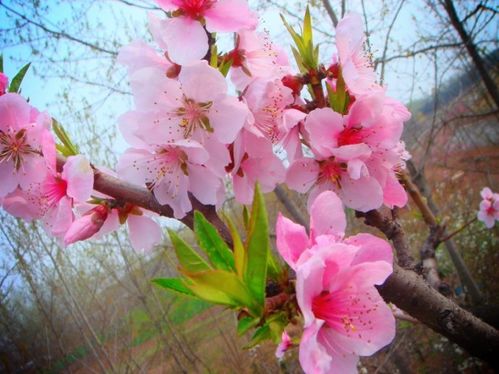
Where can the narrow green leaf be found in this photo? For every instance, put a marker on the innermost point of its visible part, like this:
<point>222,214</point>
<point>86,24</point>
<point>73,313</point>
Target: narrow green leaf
<point>1,63</point>
<point>62,135</point>
<point>257,247</point>
<point>246,323</point>
<point>18,79</point>
<point>338,100</point>
<point>173,284</point>
<point>307,28</point>
<point>225,66</point>
<point>239,251</point>
<point>222,287</point>
<point>214,56</point>
<point>212,243</point>
<point>246,217</point>
<point>294,35</point>
<point>261,334</point>
<point>277,322</point>
<point>189,259</point>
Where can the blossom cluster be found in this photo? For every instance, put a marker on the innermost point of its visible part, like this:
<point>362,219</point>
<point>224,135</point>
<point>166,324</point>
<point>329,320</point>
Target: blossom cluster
<point>489,207</point>
<point>33,187</point>
<point>187,132</point>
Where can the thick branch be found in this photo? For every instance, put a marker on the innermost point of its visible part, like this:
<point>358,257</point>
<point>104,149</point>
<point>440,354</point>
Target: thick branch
<point>393,232</point>
<point>411,293</point>
<point>429,261</point>
<point>142,197</point>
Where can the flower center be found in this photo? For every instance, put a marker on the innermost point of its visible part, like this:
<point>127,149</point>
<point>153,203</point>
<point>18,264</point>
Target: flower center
<point>330,171</point>
<point>195,9</point>
<point>54,189</point>
<point>351,135</point>
<point>193,115</point>
<point>14,147</point>
<point>323,307</point>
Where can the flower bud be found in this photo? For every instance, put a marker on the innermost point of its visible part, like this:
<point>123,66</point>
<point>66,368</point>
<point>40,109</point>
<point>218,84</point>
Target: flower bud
<point>86,226</point>
<point>293,82</point>
<point>284,345</point>
<point>4,83</point>
<point>173,71</point>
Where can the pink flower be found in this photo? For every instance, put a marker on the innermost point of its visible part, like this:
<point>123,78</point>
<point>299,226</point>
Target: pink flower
<point>61,191</point>
<point>4,83</point>
<point>255,56</point>
<point>344,315</point>
<point>267,101</point>
<point>86,226</point>
<point>254,161</point>
<point>184,33</point>
<point>196,106</point>
<point>25,143</point>
<point>489,207</point>
<point>356,66</point>
<point>138,55</point>
<point>284,345</point>
<point>356,155</point>
<point>171,171</point>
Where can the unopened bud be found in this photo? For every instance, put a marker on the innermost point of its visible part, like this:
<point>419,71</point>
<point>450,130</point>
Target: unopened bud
<point>333,71</point>
<point>284,345</point>
<point>86,226</point>
<point>293,82</point>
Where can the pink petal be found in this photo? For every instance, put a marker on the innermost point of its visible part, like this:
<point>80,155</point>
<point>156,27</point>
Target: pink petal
<point>327,216</point>
<point>186,39</point>
<point>79,176</point>
<point>363,194</point>
<point>229,16</point>
<point>314,357</point>
<point>352,151</point>
<point>371,249</point>
<point>291,240</point>
<point>309,284</point>
<point>9,178</point>
<point>202,83</point>
<point>323,127</point>
<point>227,117</point>
<point>302,174</point>
<point>144,233</point>
<point>204,184</point>
<point>394,193</point>
<point>14,112</point>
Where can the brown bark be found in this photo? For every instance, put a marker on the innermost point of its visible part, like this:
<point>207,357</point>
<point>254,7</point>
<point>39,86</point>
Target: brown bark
<point>411,293</point>
<point>429,262</point>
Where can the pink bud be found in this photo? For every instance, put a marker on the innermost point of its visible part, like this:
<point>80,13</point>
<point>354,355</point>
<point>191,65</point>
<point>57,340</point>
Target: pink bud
<point>284,345</point>
<point>4,83</point>
<point>86,226</point>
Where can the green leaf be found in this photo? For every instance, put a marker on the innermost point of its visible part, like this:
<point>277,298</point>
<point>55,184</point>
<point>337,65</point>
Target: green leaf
<point>338,100</point>
<point>257,247</point>
<point>277,323</point>
<point>18,79</point>
<point>261,334</point>
<point>246,323</point>
<point>189,259</point>
<point>246,217</point>
<point>222,287</point>
<point>225,66</point>
<point>214,56</point>
<point>173,284</point>
<point>69,149</point>
<point>307,28</point>
<point>212,243</point>
<point>1,63</point>
<point>239,250</point>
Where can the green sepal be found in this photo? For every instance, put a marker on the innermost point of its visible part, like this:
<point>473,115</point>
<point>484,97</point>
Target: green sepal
<point>212,243</point>
<point>257,248</point>
<point>188,258</point>
<point>15,84</point>
<point>173,284</point>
